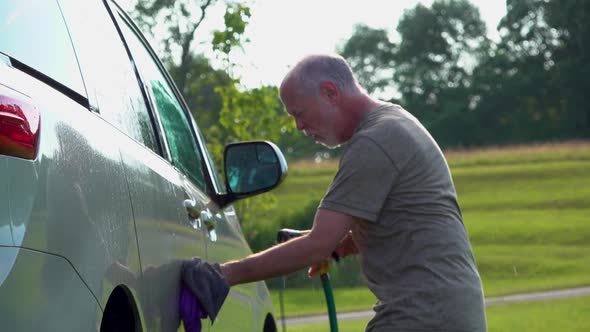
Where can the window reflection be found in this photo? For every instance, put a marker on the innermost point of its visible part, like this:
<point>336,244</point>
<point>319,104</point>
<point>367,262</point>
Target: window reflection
<point>33,32</point>
<point>183,147</point>
<point>113,85</point>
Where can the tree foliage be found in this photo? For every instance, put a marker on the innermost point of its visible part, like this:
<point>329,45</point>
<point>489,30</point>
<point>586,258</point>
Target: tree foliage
<point>224,111</point>
<point>180,20</point>
<point>200,90</point>
<point>235,20</point>
<point>255,114</point>
<point>369,52</point>
<point>468,90</point>
<point>548,66</point>
<point>433,59</point>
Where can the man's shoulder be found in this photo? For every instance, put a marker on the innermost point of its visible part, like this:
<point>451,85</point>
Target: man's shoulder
<point>392,119</point>
<point>391,127</point>
<point>397,132</point>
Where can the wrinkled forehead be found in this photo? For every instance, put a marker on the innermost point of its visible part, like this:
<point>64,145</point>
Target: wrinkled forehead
<point>291,92</point>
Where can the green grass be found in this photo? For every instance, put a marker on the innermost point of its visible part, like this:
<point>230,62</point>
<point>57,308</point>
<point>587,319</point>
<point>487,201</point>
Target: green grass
<point>308,301</point>
<point>343,326</point>
<point>525,208</point>
<point>531,177</point>
<point>564,315</point>
<point>530,250</point>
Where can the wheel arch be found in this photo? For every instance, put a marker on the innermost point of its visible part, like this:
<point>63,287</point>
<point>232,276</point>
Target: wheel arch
<point>269,324</point>
<point>121,312</point>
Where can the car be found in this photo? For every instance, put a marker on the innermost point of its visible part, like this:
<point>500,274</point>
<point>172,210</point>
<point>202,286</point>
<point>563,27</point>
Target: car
<point>106,183</point>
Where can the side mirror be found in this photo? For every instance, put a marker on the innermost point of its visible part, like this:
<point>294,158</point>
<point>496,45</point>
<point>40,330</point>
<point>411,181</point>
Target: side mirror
<point>252,168</point>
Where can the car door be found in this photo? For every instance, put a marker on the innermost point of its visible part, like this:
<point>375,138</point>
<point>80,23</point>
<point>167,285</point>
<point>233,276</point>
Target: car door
<point>197,176</point>
<point>164,231</point>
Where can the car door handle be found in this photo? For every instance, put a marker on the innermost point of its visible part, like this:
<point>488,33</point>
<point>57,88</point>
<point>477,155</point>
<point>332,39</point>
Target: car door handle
<point>208,220</point>
<point>194,215</point>
<point>199,218</point>
<point>210,223</point>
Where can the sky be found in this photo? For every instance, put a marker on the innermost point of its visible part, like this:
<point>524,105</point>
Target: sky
<point>282,31</point>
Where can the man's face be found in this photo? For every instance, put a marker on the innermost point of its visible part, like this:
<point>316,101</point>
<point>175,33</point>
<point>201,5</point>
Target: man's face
<point>314,116</point>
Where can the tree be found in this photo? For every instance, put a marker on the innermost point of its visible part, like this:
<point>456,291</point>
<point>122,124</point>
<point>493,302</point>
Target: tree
<point>438,46</point>
<point>468,90</point>
<point>193,73</point>
<point>542,44</point>
<point>181,20</point>
<point>248,115</point>
<point>200,93</point>
<point>223,109</point>
<point>370,54</point>
<point>571,21</point>
<point>430,66</point>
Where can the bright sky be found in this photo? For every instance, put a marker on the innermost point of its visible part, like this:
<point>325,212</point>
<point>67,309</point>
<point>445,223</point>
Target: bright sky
<point>282,31</point>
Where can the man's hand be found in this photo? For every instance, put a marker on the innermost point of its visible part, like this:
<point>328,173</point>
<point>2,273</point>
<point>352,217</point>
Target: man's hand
<point>317,269</point>
<point>346,247</point>
<point>329,228</point>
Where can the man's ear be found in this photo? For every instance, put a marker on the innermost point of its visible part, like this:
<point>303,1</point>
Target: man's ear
<point>329,90</point>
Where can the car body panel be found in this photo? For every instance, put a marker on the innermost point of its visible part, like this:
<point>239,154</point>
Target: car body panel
<point>236,313</point>
<point>47,288</point>
<point>72,200</point>
<point>5,222</point>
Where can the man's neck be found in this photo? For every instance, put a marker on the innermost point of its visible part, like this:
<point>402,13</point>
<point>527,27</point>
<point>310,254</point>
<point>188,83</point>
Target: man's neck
<point>356,108</point>
<point>360,105</point>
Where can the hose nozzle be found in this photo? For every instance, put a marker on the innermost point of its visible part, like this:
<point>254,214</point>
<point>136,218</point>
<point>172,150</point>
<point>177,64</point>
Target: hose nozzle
<point>287,234</point>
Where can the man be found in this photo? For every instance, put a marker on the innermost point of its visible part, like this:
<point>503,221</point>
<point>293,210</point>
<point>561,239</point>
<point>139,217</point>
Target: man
<point>392,201</point>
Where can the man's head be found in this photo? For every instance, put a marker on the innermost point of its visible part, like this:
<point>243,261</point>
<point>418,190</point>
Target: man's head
<point>322,95</point>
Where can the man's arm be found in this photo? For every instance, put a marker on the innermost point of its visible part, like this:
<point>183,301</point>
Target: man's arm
<point>346,247</point>
<point>329,229</point>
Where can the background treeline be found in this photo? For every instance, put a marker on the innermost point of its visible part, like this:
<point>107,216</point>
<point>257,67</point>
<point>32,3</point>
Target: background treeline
<point>530,85</point>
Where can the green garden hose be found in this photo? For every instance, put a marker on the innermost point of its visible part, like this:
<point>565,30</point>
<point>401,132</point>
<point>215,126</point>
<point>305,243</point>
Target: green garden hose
<point>330,301</point>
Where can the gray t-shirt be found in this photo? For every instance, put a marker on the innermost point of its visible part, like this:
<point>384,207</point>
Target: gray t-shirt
<point>414,249</point>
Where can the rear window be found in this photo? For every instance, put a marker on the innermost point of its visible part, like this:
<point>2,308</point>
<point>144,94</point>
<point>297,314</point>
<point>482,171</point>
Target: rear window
<point>112,85</point>
<point>33,32</point>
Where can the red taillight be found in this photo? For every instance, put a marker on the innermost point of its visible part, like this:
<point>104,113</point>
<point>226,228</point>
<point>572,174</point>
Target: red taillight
<point>19,125</point>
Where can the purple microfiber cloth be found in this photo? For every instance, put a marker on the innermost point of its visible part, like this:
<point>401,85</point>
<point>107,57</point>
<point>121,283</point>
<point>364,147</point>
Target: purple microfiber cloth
<point>203,291</point>
<point>191,312</point>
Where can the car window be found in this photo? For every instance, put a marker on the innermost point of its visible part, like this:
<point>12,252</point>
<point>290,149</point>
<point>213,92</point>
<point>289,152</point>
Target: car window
<point>34,33</point>
<point>113,86</point>
<point>182,144</point>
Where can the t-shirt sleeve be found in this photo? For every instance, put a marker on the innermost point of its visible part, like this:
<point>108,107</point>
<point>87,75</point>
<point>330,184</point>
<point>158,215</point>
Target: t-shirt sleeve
<point>364,179</point>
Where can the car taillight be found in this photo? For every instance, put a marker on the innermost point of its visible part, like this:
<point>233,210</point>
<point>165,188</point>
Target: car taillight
<point>19,125</point>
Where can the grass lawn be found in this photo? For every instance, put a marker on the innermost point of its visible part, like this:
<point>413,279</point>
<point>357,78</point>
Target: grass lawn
<point>563,315</point>
<point>299,302</point>
<point>343,326</point>
<point>525,208</point>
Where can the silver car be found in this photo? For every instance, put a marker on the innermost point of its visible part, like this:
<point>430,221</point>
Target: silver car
<point>106,184</point>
